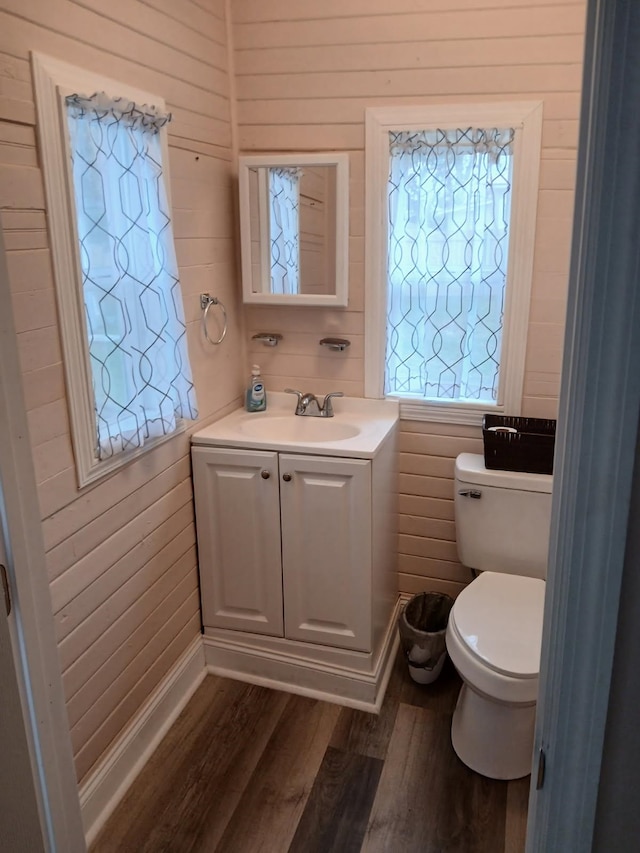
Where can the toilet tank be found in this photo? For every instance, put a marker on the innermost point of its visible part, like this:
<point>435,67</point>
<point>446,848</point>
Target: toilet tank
<point>502,518</point>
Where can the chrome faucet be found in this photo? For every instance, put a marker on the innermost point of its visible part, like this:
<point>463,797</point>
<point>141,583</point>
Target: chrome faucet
<point>309,406</point>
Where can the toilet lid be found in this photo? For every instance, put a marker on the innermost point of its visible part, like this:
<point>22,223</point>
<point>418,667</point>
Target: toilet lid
<point>499,618</point>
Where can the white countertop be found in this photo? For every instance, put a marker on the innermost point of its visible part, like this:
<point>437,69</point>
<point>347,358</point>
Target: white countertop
<point>373,420</point>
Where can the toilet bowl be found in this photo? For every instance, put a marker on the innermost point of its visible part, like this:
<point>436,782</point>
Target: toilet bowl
<point>495,626</point>
<point>493,639</point>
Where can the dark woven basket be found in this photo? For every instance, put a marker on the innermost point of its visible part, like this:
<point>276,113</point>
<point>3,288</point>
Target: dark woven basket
<point>529,449</point>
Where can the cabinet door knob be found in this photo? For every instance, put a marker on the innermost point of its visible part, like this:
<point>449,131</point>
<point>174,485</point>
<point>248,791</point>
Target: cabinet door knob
<point>265,474</point>
<point>286,478</point>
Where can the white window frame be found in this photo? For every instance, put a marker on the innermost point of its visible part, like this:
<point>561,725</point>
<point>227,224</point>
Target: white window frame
<point>53,81</point>
<point>526,118</point>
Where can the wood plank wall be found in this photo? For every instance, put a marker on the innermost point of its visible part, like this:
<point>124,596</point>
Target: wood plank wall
<point>305,72</point>
<point>121,554</point>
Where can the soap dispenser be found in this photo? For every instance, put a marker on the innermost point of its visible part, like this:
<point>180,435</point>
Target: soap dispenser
<point>256,394</point>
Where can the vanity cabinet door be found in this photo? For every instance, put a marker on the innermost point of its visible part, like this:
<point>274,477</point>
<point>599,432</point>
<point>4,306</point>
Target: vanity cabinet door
<point>326,550</point>
<point>238,522</point>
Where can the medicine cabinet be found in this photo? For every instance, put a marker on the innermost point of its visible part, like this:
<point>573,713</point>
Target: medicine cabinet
<point>294,229</point>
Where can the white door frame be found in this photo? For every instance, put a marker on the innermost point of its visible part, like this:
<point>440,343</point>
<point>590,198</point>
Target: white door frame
<point>20,823</point>
<point>598,430</point>
<point>33,635</point>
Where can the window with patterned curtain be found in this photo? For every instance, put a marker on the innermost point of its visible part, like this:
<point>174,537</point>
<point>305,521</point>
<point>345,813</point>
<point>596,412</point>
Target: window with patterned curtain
<point>141,377</point>
<point>284,208</point>
<point>449,208</point>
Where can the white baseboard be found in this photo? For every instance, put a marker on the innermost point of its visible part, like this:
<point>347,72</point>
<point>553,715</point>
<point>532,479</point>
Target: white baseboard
<point>353,679</point>
<point>105,786</point>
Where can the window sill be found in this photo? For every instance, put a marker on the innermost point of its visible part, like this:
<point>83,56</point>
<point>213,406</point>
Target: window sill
<point>100,470</point>
<point>447,413</point>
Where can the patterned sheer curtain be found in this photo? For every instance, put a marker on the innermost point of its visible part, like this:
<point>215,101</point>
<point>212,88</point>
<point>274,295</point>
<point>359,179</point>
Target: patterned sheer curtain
<point>284,203</point>
<point>135,323</point>
<point>449,210</point>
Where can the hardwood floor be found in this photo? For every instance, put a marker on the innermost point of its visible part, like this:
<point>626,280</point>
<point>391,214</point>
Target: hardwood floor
<point>247,769</point>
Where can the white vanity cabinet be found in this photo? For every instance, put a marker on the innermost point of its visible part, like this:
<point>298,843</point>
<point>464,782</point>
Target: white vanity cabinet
<point>296,522</point>
<point>285,545</point>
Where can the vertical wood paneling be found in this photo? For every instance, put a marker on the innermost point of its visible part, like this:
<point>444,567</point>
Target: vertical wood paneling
<point>121,554</point>
<point>305,73</point>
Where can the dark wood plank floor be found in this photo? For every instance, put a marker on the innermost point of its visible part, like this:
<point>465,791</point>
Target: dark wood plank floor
<point>246,769</point>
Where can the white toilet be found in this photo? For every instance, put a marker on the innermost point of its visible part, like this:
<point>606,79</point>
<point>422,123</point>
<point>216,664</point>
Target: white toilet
<point>495,626</point>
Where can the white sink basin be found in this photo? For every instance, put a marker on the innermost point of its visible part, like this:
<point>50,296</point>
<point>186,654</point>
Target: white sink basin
<point>298,428</point>
<point>357,430</point>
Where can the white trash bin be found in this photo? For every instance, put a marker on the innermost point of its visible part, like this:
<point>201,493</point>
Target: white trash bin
<point>422,626</point>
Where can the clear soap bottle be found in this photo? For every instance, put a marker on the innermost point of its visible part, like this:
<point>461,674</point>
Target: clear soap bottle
<point>256,393</point>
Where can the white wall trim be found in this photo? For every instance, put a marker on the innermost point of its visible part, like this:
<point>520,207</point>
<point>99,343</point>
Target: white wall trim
<point>31,624</point>
<point>107,784</point>
<point>250,293</point>
<point>353,679</point>
<point>53,79</point>
<point>523,115</point>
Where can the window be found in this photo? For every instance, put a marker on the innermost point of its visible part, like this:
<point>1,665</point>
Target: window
<point>105,159</point>
<point>451,198</point>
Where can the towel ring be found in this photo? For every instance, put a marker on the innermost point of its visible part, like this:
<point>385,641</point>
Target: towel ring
<point>206,302</point>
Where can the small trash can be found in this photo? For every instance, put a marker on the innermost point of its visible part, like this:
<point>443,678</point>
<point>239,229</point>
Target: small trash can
<point>422,626</point>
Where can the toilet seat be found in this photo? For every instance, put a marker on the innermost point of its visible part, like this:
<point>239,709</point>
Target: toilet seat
<point>494,635</point>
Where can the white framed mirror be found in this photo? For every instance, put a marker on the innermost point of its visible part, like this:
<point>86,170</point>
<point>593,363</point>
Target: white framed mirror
<point>294,228</point>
